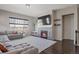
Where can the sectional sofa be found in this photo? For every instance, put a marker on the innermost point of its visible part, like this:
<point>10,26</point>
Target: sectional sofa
<point>7,48</point>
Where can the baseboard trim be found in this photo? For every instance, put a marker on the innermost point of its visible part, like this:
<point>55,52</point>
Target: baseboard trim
<point>57,40</point>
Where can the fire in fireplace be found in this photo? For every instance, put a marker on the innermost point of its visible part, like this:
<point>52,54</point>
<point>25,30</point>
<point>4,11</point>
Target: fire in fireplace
<point>44,34</point>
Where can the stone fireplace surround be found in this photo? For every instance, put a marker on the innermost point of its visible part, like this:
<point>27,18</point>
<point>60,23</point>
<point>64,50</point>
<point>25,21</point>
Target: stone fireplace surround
<point>47,28</point>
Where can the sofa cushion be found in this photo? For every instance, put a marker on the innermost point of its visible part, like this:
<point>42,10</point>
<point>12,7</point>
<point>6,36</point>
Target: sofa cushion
<point>15,51</point>
<point>7,44</point>
<point>31,50</point>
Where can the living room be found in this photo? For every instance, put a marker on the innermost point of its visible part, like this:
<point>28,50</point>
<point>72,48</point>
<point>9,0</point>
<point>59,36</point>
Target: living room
<point>36,28</point>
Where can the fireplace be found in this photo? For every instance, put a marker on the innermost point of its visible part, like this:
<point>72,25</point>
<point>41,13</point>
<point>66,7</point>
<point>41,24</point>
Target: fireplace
<point>44,34</point>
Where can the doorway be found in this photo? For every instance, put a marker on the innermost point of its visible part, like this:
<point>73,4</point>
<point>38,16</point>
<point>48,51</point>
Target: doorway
<point>68,34</point>
<point>68,27</point>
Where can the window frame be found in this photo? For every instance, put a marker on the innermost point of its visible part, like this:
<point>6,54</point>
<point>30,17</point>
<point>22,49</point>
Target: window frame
<point>18,23</point>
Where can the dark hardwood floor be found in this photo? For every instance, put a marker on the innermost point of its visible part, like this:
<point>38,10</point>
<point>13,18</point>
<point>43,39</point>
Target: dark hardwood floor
<point>65,46</point>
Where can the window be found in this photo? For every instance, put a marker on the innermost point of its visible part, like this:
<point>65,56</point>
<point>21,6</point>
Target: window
<point>18,23</point>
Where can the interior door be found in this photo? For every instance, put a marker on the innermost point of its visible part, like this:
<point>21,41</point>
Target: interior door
<point>68,27</point>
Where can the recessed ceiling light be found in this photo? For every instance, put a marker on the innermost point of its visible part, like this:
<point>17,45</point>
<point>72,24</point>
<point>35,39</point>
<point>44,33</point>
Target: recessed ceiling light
<point>27,5</point>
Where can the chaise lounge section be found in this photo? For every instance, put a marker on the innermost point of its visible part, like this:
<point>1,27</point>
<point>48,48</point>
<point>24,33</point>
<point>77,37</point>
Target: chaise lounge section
<point>7,48</point>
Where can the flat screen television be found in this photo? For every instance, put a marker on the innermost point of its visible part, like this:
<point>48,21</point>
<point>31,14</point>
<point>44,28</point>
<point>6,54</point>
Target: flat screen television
<point>46,20</point>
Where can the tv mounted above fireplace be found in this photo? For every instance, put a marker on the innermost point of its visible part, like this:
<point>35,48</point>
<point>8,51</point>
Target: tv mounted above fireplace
<point>46,20</point>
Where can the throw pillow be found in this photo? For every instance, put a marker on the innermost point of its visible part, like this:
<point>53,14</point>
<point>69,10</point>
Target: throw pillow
<point>3,48</point>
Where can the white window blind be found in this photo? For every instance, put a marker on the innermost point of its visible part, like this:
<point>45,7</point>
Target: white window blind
<point>18,23</point>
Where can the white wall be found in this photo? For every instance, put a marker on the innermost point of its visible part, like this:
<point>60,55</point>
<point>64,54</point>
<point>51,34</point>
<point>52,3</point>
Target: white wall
<point>4,20</point>
<point>59,14</point>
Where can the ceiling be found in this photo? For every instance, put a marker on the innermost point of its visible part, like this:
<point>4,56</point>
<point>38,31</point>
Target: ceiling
<point>35,10</point>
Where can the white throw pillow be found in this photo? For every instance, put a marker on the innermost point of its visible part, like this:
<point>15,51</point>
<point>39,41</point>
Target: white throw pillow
<point>4,38</point>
